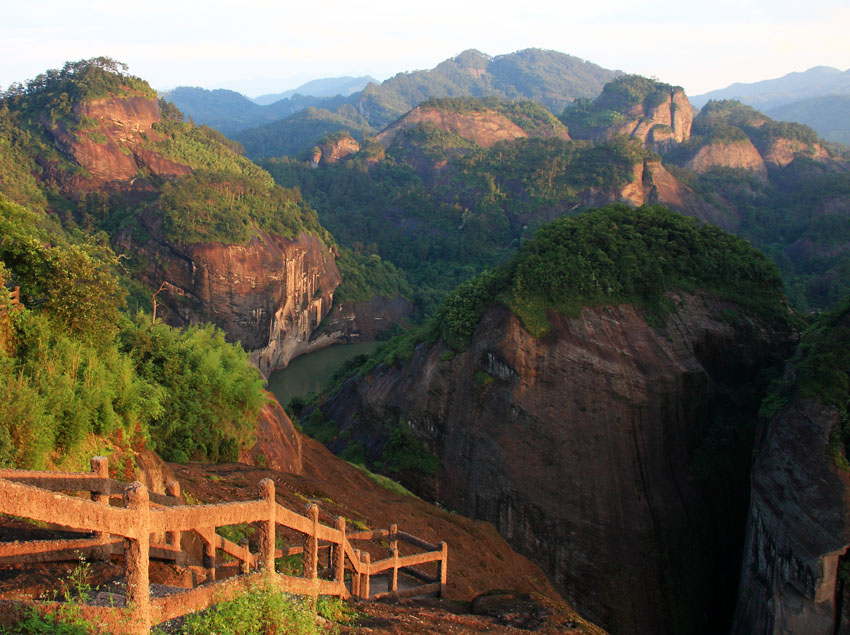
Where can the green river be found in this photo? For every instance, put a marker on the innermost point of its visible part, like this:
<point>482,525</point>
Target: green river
<point>310,373</point>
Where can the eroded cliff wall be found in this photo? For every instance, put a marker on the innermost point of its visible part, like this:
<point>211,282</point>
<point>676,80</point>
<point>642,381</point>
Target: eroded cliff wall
<point>583,448</point>
<point>269,294</point>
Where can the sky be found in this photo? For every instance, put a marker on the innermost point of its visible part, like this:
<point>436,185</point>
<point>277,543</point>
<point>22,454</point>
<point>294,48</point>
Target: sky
<point>267,46</point>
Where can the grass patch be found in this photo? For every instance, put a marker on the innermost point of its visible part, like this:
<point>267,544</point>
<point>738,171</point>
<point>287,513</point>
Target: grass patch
<point>263,609</point>
<point>385,481</point>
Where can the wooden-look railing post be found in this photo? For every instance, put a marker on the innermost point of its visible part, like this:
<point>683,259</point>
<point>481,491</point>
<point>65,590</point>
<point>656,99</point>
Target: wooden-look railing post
<point>444,568</point>
<point>137,560</point>
<point>364,585</point>
<point>311,544</point>
<point>208,537</point>
<point>244,566</point>
<point>172,538</point>
<point>394,548</point>
<point>267,527</point>
<point>355,575</point>
<point>339,552</point>
<point>100,468</point>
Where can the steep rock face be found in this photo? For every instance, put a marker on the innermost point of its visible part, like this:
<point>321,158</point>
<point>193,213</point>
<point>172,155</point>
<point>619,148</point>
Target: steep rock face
<point>484,128</point>
<point>360,321</point>
<point>278,444</point>
<point>112,148</point>
<point>739,154</point>
<point>651,183</point>
<point>798,527</point>
<point>578,447</point>
<point>780,152</point>
<point>269,294</point>
<point>671,118</point>
<point>334,151</point>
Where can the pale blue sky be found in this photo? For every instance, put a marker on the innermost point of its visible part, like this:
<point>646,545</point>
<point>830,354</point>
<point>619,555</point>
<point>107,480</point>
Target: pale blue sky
<point>259,46</point>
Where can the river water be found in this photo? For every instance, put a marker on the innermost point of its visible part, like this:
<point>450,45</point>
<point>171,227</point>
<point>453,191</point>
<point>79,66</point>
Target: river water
<point>310,373</point>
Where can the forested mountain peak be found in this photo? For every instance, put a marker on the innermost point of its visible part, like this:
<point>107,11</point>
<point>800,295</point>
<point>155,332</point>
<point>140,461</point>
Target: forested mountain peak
<point>548,78</point>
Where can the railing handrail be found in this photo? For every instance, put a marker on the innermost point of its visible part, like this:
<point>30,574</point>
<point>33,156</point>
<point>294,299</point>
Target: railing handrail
<point>144,514</point>
<point>79,482</point>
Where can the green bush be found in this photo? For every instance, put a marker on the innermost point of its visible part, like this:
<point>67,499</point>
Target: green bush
<point>263,609</point>
<point>405,453</point>
<point>212,394</point>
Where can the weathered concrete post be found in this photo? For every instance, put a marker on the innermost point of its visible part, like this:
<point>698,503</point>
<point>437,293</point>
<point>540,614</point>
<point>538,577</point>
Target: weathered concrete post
<point>444,568</point>
<point>355,575</point>
<point>244,567</point>
<point>172,538</point>
<point>394,549</point>
<point>100,468</point>
<point>311,544</point>
<point>208,536</point>
<point>339,552</point>
<point>364,586</point>
<point>267,528</point>
<point>311,550</point>
<point>137,560</point>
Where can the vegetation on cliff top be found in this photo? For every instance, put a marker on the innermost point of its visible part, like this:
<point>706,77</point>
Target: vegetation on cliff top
<point>617,255</point>
<point>54,93</point>
<point>612,255</point>
<point>76,372</point>
<point>615,105</point>
<point>226,198</point>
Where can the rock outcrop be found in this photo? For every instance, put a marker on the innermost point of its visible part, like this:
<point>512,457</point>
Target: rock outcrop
<point>798,527</point>
<point>360,321</point>
<point>651,183</point>
<point>269,294</point>
<point>115,146</point>
<point>794,574</point>
<point>580,447</point>
<point>738,154</point>
<point>335,149</point>
<point>278,444</point>
<point>658,115</point>
<point>482,127</point>
<point>660,123</point>
<point>780,152</point>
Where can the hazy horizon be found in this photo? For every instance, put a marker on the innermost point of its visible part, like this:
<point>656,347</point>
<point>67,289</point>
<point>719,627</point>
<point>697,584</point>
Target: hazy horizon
<point>264,47</point>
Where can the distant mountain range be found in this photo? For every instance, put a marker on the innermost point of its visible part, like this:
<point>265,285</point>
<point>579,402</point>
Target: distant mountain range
<point>549,78</point>
<point>771,93</point>
<point>829,115</point>
<point>325,87</point>
<point>818,97</point>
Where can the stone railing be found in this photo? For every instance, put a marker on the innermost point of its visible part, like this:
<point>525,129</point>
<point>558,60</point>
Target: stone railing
<point>144,515</point>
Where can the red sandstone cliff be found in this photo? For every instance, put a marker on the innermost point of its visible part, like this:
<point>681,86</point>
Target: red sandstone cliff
<point>578,446</point>
<point>651,183</point>
<point>798,528</point>
<point>269,294</point>
<point>335,149</point>
<point>739,154</point>
<point>794,573</point>
<point>482,127</point>
<point>659,125</point>
<point>113,148</point>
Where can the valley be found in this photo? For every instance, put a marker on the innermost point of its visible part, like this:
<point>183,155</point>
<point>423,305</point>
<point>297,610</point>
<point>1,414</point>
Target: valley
<point>597,332</point>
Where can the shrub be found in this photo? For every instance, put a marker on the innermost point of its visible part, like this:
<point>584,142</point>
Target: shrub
<point>263,609</point>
